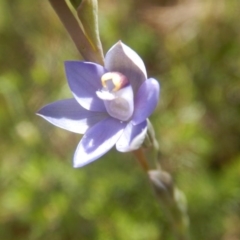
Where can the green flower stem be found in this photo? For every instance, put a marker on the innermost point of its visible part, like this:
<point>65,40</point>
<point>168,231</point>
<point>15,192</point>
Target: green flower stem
<point>75,31</point>
<point>140,156</point>
<point>170,198</point>
<point>172,202</point>
<point>87,13</point>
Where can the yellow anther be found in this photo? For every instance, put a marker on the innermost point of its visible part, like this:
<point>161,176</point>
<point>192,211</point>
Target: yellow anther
<point>118,80</point>
<point>106,77</point>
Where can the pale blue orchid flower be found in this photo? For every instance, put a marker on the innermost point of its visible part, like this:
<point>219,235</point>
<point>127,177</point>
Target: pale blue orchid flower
<point>111,104</point>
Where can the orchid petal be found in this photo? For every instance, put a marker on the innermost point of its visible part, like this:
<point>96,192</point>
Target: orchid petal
<point>69,115</point>
<point>122,106</point>
<point>97,141</point>
<point>121,58</point>
<point>132,137</point>
<point>146,100</point>
<point>84,80</point>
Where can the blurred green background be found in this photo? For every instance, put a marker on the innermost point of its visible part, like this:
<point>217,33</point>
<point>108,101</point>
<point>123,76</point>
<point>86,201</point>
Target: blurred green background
<point>193,49</point>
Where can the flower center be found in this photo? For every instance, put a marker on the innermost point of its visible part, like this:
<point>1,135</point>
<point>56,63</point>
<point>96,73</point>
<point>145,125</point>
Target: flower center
<point>114,81</point>
<point>119,108</point>
<point>117,95</point>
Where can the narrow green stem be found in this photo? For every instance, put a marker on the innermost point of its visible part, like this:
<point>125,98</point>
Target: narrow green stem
<point>75,31</point>
<point>140,156</point>
<point>170,198</point>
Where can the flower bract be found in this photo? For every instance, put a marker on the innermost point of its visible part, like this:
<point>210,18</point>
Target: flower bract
<point>110,104</point>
